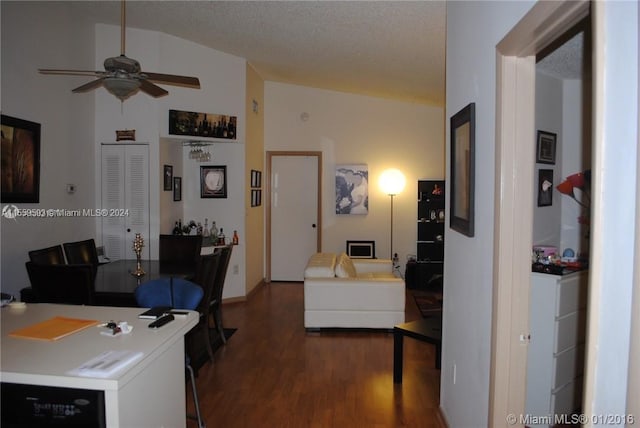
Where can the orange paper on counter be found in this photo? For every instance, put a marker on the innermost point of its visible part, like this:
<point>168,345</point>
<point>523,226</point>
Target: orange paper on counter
<point>53,329</point>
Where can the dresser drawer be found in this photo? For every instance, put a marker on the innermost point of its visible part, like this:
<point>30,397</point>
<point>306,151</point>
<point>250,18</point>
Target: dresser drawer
<point>572,294</point>
<point>568,365</point>
<point>567,399</point>
<point>569,331</point>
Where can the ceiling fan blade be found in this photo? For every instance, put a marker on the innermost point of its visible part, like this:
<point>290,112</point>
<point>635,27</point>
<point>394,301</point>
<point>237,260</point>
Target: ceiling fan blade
<point>151,89</point>
<point>70,72</point>
<point>171,79</point>
<point>89,86</point>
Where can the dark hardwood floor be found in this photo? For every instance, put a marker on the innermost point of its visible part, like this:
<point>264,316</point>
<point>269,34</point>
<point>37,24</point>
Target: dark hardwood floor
<point>272,373</point>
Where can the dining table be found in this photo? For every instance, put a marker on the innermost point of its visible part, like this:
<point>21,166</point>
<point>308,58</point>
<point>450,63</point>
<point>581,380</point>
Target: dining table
<point>115,281</point>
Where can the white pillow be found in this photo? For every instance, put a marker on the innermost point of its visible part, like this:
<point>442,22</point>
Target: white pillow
<point>345,267</point>
<point>321,265</point>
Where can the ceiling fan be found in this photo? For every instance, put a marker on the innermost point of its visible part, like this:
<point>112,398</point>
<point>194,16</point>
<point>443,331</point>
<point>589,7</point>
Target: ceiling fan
<point>123,76</point>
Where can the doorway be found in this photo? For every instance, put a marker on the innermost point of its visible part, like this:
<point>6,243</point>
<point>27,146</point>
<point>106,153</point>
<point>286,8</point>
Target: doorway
<point>515,113</point>
<point>293,213</point>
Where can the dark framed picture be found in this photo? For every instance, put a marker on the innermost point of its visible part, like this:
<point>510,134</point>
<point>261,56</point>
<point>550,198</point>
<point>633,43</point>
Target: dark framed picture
<point>463,141</point>
<point>20,160</point>
<point>208,125</point>
<point>361,249</point>
<point>256,197</point>
<point>168,177</point>
<point>256,178</point>
<point>177,188</point>
<point>545,187</point>
<point>213,181</point>
<point>546,151</point>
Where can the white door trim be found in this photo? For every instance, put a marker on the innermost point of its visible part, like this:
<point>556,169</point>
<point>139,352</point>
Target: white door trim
<point>515,113</point>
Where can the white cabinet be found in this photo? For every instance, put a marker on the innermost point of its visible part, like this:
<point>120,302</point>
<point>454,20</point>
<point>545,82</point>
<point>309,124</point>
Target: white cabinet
<point>556,351</point>
<point>125,197</point>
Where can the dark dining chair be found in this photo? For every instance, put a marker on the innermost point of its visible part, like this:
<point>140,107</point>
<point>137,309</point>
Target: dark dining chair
<point>182,251</point>
<point>215,305</point>
<point>69,284</point>
<point>178,294</point>
<point>81,252</point>
<point>206,277</point>
<point>48,256</point>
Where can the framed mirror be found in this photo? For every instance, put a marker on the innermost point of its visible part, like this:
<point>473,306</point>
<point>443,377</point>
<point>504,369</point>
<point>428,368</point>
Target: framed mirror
<point>463,130</point>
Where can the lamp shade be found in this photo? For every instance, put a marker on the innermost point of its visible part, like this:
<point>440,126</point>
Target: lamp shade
<point>120,87</point>
<point>392,181</point>
<point>566,188</point>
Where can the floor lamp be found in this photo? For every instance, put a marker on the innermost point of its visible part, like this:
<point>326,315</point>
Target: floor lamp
<point>392,182</point>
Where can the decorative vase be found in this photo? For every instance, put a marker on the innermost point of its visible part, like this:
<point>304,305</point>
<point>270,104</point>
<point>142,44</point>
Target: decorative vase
<point>138,243</point>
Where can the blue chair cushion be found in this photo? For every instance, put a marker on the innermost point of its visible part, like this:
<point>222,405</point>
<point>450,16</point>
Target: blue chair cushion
<point>174,292</point>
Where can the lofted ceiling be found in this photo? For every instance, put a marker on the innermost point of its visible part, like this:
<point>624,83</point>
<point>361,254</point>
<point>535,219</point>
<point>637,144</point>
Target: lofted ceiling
<point>389,49</point>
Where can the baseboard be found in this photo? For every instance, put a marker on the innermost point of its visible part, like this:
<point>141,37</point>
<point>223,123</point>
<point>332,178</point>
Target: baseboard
<point>442,420</point>
<point>241,299</point>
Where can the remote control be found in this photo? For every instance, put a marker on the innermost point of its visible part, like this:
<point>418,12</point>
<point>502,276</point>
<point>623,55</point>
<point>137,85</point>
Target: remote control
<point>161,321</point>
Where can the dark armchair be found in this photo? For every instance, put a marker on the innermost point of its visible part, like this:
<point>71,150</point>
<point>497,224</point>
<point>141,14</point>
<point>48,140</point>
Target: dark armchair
<point>81,252</point>
<point>180,250</point>
<point>48,256</point>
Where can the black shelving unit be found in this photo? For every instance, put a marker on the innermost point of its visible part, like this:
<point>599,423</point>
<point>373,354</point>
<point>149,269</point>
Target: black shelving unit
<point>430,243</point>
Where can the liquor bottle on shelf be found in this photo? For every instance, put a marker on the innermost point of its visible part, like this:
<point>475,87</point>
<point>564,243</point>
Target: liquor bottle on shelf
<point>213,233</point>
<point>176,229</point>
<point>221,237</point>
<point>205,230</point>
<point>235,237</point>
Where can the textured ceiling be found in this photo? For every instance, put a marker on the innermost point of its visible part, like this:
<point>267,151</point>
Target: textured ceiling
<point>566,61</point>
<point>390,49</point>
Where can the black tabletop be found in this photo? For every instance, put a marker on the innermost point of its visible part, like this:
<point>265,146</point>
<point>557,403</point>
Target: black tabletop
<point>117,277</point>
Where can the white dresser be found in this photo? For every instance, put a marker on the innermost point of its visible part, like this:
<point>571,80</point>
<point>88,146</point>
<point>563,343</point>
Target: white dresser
<point>556,352</point>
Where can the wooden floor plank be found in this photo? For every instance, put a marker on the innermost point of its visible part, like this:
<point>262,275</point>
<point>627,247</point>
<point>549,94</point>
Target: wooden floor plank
<point>272,373</point>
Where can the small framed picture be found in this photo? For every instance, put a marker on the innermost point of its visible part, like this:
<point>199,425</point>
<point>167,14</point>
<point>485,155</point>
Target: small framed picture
<point>256,178</point>
<point>168,177</point>
<point>546,152</point>
<point>177,188</point>
<point>256,197</point>
<point>213,181</point>
<point>545,187</point>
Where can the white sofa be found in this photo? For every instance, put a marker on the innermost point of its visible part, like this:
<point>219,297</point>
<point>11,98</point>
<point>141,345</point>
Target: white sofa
<point>340,292</point>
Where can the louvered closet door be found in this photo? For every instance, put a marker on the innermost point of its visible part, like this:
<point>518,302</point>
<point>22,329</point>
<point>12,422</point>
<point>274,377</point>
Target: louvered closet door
<point>125,190</point>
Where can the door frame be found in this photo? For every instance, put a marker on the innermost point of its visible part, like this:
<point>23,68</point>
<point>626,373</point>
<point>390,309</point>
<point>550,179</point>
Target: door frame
<point>267,201</point>
<point>515,121</point>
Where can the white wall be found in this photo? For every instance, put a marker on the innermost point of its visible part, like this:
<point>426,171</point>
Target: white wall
<point>352,129</point>
<point>45,35</point>
<point>549,103</point>
<point>473,30</point>
<point>576,157</point>
<point>615,218</point>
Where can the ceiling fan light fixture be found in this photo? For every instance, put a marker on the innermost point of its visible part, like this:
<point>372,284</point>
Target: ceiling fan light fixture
<point>121,88</point>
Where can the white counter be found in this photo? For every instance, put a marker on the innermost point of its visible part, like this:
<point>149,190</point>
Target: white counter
<point>149,392</point>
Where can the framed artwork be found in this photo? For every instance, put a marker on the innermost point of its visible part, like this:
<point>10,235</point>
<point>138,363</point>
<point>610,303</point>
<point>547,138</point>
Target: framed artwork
<point>168,177</point>
<point>256,197</point>
<point>463,130</point>
<point>20,160</point>
<point>202,124</point>
<point>352,189</point>
<point>546,151</point>
<point>545,187</point>
<point>213,181</point>
<point>256,178</point>
<point>177,188</point>
<point>361,249</point>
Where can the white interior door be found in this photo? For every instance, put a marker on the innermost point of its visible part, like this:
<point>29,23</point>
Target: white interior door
<point>125,197</point>
<point>294,211</point>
